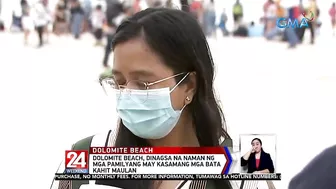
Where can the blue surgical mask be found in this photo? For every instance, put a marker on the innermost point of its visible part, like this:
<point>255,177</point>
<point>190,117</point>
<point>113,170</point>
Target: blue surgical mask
<point>148,114</point>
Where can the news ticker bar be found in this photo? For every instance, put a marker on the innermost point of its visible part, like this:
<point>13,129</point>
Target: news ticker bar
<point>238,176</point>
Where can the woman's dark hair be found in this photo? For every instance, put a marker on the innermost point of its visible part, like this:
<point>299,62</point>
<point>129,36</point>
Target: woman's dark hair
<point>99,7</point>
<point>178,39</point>
<point>258,139</point>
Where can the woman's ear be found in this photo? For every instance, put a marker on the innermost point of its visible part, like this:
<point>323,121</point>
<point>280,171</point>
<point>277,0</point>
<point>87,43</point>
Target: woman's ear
<point>191,86</point>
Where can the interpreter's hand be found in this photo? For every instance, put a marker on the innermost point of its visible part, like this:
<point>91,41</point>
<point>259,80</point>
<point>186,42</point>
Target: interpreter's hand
<point>252,150</point>
<point>256,172</point>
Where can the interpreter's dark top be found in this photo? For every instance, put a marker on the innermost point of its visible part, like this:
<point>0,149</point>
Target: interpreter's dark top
<point>320,173</point>
<point>265,163</point>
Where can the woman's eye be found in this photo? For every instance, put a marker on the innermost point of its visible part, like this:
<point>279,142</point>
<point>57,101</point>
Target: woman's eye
<point>139,83</point>
<point>120,82</point>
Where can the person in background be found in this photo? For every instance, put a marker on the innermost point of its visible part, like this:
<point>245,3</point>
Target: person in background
<point>77,16</point>
<point>256,159</point>
<point>60,22</point>
<point>290,33</point>
<point>281,12</point>
<point>241,30</point>
<point>320,173</point>
<point>87,9</point>
<point>97,20</point>
<point>312,10</point>
<point>275,11</point>
<point>28,24</point>
<point>237,12</point>
<point>41,19</point>
<point>157,4</point>
<point>185,5</point>
<point>300,31</point>
<point>222,23</point>
<point>136,6</point>
<point>67,4</point>
<point>209,20</point>
<point>295,13</point>
<point>332,14</point>
<point>16,19</point>
<point>255,29</point>
<point>2,24</point>
<point>197,10</point>
<point>270,16</point>
<point>48,28</point>
<point>127,13</point>
<point>169,4</point>
<point>149,3</point>
<point>114,9</point>
<point>24,6</point>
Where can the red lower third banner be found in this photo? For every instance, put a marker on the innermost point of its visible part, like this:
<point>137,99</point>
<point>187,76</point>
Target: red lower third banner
<point>150,160</point>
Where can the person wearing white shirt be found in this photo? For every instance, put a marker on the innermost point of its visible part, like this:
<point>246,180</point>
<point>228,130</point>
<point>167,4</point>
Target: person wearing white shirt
<point>97,20</point>
<point>27,24</point>
<point>41,19</point>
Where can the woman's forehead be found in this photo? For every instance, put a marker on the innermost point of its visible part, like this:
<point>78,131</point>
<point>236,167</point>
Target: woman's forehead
<point>134,57</point>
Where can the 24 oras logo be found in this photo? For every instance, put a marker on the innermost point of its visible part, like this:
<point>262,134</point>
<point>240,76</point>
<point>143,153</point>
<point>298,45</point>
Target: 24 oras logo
<point>76,161</point>
<point>295,23</point>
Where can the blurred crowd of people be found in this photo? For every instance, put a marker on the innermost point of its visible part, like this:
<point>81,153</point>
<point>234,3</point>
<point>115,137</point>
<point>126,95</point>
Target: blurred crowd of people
<point>68,16</point>
<point>75,17</point>
<point>267,25</point>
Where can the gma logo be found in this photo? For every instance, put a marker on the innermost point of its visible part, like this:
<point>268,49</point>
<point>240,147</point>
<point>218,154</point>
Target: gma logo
<point>295,23</point>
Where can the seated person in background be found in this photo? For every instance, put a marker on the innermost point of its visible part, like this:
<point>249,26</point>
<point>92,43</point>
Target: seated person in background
<point>320,173</point>
<point>241,30</point>
<point>256,30</point>
<point>257,160</point>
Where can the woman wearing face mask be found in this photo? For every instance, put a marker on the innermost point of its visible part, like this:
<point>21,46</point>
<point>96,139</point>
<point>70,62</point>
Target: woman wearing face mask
<point>257,160</point>
<point>163,76</point>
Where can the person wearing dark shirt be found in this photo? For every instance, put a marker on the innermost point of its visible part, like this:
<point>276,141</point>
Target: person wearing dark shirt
<point>311,10</point>
<point>114,9</point>
<point>185,5</point>
<point>77,16</point>
<point>241,31</point>
<point>257,160</point>
<point>320,173</point>
<point>127,11</point>
<point>290,33</point>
